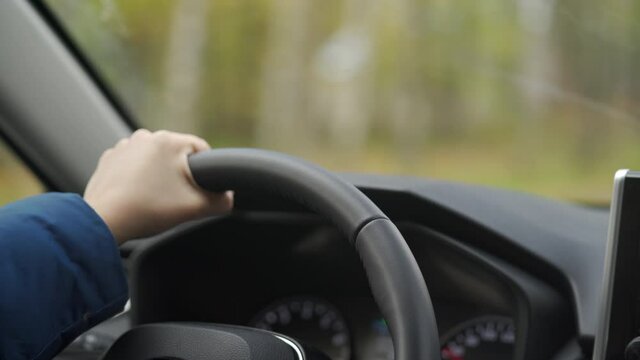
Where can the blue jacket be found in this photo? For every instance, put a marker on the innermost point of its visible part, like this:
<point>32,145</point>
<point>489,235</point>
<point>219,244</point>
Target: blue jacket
<point>60,274</point>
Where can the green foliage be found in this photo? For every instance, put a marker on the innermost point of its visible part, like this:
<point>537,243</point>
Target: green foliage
<point>526,94</point>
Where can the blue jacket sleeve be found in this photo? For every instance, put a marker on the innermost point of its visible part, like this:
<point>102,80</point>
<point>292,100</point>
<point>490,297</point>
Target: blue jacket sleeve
<point>60,274</point>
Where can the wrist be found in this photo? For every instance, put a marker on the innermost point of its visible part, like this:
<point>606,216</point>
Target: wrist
<point>108,218</point>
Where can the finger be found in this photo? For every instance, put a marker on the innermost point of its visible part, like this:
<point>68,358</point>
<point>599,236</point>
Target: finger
<point>194,143</point>
<point>186,169</point>
<point>140,133</point>
<point>219,203</point>
<point>121,143</point>
<point>202,145</point>
<point>185,142</point>
<point>197,143</point>
<point>105,154</point>
<point>190,144</point>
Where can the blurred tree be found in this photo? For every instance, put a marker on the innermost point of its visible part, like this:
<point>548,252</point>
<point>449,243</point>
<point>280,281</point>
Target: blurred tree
<point>524,93</point>
<point>406,99</point>
<point>184,67</point>
<point>283,99</point>
<point>537,62</point>
<point>591,43</point>
<point>342,89</point>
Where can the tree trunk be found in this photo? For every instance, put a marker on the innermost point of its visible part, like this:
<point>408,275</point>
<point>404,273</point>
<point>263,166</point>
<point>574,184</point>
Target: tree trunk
<point>283,95</point>
<point>343,90</point>
<point>184,68</point>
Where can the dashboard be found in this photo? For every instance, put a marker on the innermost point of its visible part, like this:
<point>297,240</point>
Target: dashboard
<point>297,276</point>
<point>497,293</point>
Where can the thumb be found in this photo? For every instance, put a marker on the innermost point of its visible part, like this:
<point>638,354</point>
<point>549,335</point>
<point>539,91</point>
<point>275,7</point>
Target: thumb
<point>219,203</point>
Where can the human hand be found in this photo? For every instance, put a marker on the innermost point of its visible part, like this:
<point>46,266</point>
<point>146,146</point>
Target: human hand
<point>143,185</point>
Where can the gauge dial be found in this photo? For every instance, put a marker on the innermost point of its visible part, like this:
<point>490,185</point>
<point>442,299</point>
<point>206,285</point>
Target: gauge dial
<point>312,321</point>
<point>490,337</point>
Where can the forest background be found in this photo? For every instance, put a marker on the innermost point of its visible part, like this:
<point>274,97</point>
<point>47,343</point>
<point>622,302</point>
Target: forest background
<point>533,95</point>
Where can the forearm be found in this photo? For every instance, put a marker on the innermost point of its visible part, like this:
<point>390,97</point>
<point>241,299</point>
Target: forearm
<point>60,273</point>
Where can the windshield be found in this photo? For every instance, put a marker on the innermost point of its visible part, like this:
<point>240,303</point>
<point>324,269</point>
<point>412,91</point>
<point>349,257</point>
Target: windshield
<point>534,95</point>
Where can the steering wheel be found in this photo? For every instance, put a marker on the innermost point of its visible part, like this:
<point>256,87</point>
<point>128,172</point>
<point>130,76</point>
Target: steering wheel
<point>394,276</point>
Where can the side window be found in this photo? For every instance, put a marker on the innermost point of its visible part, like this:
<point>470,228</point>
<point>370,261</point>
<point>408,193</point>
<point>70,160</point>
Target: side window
<point>16,179</point>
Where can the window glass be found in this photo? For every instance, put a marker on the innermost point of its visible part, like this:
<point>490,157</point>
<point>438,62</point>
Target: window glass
<point>16,180</point>
<point>525,94</point>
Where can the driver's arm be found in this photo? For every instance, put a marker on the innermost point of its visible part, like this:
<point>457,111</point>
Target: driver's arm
<point>60,270</point>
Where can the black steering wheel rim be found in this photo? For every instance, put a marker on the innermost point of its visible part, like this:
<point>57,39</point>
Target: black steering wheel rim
<point>394,276</point>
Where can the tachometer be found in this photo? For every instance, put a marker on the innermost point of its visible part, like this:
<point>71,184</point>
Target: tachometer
<point>313,321</point>
<point>490,337</point>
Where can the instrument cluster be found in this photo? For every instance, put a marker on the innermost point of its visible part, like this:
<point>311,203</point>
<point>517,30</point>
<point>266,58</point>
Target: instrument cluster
<point>356,331</point>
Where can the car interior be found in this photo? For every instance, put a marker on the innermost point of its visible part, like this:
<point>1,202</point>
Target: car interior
<point>342,265</point>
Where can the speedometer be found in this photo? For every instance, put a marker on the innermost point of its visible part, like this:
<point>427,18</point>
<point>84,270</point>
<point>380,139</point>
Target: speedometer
<point>312,321</point>
<point>489,337</point>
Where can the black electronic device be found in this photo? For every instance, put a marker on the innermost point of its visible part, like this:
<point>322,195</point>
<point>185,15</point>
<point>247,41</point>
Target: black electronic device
<point>620,307</point>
